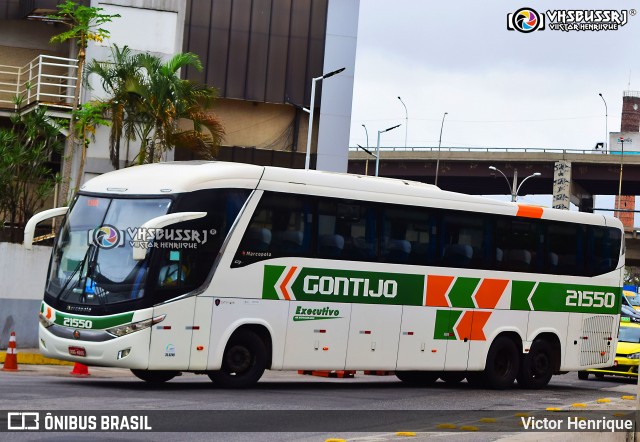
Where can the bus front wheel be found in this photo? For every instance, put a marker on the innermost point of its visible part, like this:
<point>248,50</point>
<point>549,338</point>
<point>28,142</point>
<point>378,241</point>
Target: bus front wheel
<point>154,376</point>
<point>243,362</point>
<point>502,364</point>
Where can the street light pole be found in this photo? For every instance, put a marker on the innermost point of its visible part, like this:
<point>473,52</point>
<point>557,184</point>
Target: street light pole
<point>307,159</point>
<point>515,188</point>
<point>439,143</point>
<point>367,133</point>
<point>366,162</point>
<point>606,128</point>
<point>406,122</point>
<point>378,145</point>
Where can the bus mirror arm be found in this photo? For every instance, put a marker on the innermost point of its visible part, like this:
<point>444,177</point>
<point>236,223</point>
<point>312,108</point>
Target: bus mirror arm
<point>141,239</point>
<point>30,228</point>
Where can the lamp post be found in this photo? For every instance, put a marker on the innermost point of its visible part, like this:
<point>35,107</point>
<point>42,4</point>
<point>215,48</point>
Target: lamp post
<point>515,188</point>
<point>367,133</point>
<point>406,122</point>
<point>307,159</point>
<point>378,145</point>
<point>366,162</point>
<point>439,143</point>
<point>606,129</point>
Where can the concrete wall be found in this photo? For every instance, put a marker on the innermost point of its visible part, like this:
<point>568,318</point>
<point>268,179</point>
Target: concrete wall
<point>23,273</point>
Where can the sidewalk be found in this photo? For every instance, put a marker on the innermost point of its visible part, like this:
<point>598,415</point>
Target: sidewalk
<point>32,356</point>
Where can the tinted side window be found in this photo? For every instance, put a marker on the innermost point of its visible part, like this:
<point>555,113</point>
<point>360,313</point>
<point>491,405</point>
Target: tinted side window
<point>463,240</point>
<point>517,243</point>
<point>408,235</point>
<point>346,230</point>
<point>565,243</point>
<point>178,270</point>
<point>603,249</point>
<point>280,226</point>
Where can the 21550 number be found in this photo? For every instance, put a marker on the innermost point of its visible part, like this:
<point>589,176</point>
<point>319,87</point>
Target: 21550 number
<point>77,323</point>
<point>578,298</point>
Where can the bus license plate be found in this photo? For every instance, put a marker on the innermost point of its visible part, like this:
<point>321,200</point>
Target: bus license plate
<point>77,351</point>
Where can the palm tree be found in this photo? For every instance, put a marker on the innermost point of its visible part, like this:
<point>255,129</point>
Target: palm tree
<point>166,99</point>
<point>116,77</point>
<point>147,100</point>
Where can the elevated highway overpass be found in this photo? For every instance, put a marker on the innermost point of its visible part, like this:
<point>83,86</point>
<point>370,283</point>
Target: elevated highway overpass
<point>466,170</point>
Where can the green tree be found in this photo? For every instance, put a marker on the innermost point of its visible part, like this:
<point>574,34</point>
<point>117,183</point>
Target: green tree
<point>116,76</point>
<point>26,178</point>
<point>148,99</point>
<point>84,24</point>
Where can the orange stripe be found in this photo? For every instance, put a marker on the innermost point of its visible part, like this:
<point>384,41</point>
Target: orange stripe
<point>437,287</point>
<point>464,325</point>
<point>477,327</point>
<point>489,292</point>
<point>529,211</point>
<point>283,286</point>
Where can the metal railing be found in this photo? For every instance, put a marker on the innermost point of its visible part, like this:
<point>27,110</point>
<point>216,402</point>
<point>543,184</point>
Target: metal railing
<point>45,80</point>
<point>484,149</point>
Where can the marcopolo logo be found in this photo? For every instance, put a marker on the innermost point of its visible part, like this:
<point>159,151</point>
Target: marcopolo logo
<point>527,20</point>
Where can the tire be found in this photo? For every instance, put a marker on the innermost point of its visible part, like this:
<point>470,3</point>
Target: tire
<point>452,377</point>
<point>503,362</point>
<point>583,375</point>
<point>599,375</point>
<point>475,379</point>
<point>155,376</point>
<point>418,378</point>
<point>537,367</point>
<point>243,363</point>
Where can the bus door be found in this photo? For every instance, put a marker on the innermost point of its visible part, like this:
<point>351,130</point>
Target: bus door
<point>171,339</point>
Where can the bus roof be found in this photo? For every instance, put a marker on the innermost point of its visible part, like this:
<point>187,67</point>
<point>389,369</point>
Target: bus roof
<point>188,176</point>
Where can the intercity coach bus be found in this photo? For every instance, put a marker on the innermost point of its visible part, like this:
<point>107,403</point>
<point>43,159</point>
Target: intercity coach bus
<point>229,269</point>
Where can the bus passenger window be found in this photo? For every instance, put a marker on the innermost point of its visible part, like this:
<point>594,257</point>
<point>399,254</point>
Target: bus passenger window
<point>279,227</point>
<point>406,235</point>
<point>350,223</point>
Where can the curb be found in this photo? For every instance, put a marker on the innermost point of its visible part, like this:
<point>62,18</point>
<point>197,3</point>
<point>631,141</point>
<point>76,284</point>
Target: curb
<point>34,358</point>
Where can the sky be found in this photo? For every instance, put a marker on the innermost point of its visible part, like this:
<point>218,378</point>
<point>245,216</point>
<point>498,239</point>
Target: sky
<point>500,88</point>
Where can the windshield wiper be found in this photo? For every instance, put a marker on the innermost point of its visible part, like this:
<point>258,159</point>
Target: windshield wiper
<point>78,268</point>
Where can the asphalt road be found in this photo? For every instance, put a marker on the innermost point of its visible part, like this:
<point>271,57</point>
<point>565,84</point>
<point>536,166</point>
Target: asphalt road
<point>366,408</point>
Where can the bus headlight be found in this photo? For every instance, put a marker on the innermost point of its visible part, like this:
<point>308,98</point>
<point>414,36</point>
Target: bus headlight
<point>44,321</point>
<point>126,329</point>
<point>634,356</point>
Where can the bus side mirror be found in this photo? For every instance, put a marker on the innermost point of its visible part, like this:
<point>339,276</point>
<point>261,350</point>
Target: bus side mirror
<point>146,232</point>
<point>30,228</point>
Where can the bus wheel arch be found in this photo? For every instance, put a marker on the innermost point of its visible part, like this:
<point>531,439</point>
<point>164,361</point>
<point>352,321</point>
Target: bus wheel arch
<point>503,361</point>
<point>541,362</point>
<point>246,356</point>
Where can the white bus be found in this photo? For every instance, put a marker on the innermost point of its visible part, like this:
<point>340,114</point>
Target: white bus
<point>229,269</point>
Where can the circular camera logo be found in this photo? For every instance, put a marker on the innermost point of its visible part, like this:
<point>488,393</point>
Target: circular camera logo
<point>106,237</point>
<point>526,20</point>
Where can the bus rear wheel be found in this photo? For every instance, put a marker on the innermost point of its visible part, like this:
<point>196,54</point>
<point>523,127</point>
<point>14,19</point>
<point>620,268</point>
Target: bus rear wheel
<point>243,362</point>
<point>420,378</point>
<point>537,367</point>
<point>502,364</point>
<point>154,376</point>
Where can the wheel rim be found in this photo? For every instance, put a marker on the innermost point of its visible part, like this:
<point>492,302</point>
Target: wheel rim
<point>540,365</point>
<point>238,359</point>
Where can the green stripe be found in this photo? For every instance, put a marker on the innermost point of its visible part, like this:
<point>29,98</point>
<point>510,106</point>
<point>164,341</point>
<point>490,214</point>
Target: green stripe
<point>520,291</point>
<point>101,322</point>
<point>461,292</point>
<point>271,276</point>
<point>445,320</point>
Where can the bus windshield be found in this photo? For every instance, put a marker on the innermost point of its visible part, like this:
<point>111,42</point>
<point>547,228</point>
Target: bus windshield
<point>92,262</point>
